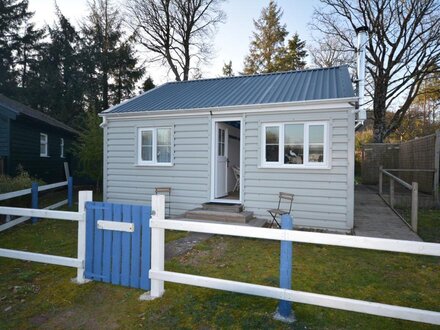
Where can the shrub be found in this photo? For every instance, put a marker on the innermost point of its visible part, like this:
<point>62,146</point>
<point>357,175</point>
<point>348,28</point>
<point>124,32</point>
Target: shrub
<point>22,181</point>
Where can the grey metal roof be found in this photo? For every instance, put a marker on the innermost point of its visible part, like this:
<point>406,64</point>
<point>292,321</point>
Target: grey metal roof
<point>19,108</point>
<point>290,86</point>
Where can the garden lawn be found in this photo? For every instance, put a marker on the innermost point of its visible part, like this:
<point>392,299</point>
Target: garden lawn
<point>36,295</point>
<point>429,225</point>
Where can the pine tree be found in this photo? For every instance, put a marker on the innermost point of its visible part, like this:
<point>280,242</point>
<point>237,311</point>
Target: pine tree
<point>58,87</point>
<point>148,84</point>
<point>17,40</point>
<point>292,57</point>
<point>268,41</point>
<point>227,69</point>
<point>109,61</point>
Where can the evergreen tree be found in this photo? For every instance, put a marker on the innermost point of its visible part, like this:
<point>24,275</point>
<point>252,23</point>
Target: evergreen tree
<point>292,57</point>
<point>108,59</point>
<point>125,73</point>
<point>17,38</point>
<point>58,87</point>
<point>148,84</point>
<point>227,69</point>
<point>88,149</point>
<point>268,41</point>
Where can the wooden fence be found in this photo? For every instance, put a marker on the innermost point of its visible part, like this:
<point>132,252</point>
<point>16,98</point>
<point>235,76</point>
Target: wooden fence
<point>34,194</point>
<point>419,157</point>
<point>158,274</point>
<point>79,216</point>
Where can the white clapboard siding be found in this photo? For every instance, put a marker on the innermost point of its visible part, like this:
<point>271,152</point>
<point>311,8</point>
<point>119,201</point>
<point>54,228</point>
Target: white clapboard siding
<point>322,196</point>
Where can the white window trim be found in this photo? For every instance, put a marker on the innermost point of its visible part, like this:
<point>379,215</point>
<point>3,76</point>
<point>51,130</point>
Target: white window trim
<point>306,164</point>
<point>153,162</point>
<point>62,148</point>
<point>46,153</point>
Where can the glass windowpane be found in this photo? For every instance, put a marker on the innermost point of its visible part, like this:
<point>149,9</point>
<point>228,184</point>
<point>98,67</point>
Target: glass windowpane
<point>163,154</point>
<point>272,153</point>
<point>316,153</point>
<point>272,135</point>
<point>316,133</point>
<point>164,136</point>
<point>147,153</point>
<point>293,154</point>
<point>294,134</point>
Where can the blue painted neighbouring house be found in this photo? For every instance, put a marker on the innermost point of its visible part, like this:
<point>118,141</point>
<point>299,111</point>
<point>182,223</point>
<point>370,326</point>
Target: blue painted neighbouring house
<point>33,141</point>
<point>289,131</point>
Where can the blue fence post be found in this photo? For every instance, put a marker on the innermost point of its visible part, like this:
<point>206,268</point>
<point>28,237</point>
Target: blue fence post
<point>284,312</point>
<point>70,191</point>
<point>34,191</point>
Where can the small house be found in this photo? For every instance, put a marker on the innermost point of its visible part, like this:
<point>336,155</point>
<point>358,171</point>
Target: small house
<point>239,140</point>
<point>33,141</point>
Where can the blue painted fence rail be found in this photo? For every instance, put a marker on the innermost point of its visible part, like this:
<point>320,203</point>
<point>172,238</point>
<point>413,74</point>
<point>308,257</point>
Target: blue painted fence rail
<point>285,307</point>
<point>34,195</point>
<point>121,258</point>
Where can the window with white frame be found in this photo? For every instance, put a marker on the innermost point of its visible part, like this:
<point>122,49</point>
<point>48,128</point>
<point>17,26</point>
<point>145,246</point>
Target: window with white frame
<point>295,144</point>
<point>44,145</point>
<point>154,146</point>
<point>62,148</point>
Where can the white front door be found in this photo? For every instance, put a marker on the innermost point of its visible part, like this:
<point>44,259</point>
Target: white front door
<point>221,163</point>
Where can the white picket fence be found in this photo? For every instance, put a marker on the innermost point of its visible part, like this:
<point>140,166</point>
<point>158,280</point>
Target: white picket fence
<point>79,216</point>
<point>158,274</point>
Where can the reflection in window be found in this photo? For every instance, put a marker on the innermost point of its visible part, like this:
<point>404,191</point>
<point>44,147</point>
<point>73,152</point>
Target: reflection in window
<point>147,146</point>
<point>316,143</point>
<point>293,143</point>
<point>272,143</point>
<point>164,145</point>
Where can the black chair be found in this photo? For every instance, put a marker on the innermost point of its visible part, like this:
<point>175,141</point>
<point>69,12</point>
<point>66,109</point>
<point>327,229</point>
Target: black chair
<point>284,199</point>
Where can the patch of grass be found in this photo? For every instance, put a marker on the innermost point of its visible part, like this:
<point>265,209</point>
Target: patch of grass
<point>429,225</point>
<point>172,235</point>
<point>36,295</point>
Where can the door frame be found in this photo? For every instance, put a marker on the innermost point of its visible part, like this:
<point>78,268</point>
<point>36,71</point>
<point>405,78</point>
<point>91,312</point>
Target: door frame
<point>214,122</point>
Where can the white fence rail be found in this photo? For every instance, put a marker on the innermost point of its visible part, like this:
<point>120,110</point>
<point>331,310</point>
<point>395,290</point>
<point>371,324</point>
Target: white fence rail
<point>79,216</point>
<point>158,274</point>
<point>24,192</point>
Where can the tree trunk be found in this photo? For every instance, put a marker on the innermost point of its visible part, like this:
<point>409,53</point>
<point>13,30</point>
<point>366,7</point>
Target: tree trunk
<point>379,109</point>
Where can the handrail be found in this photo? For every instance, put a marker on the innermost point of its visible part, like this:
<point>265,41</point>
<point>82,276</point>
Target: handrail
<point>399,180</point>
<point>414,188</point>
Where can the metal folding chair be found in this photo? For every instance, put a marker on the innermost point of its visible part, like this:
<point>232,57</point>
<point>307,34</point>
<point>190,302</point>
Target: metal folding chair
<point>284,198</point>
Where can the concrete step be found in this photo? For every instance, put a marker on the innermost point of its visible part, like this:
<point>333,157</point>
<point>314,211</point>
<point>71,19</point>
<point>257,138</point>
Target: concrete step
<point>222,207</point>
<point>230,217</point>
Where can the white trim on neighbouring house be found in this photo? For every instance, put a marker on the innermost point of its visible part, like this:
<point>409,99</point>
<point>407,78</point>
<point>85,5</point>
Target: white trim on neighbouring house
<point>44,142</point>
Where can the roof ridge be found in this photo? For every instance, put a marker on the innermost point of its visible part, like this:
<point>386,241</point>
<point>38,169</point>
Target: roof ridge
<point>257,74</point>
<point>45,117</point>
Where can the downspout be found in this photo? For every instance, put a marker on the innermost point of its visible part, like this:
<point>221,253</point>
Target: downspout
<point>361,49</point>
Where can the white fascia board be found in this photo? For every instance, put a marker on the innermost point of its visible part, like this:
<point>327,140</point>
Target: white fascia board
<point>342,104</point>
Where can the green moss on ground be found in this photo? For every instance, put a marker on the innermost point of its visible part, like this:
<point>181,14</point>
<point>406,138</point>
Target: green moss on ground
<point>34,295</point>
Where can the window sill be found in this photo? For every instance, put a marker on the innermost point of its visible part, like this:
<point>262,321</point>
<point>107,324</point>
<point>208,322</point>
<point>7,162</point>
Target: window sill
<point>154,165</point>
<point>44,156</point>
<point>298,167</point>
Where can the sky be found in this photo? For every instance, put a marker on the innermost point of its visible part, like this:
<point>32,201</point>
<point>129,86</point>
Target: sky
<point>231,41</point>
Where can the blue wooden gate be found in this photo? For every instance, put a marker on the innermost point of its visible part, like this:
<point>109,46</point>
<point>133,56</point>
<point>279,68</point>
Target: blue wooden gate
<point>117,257</point>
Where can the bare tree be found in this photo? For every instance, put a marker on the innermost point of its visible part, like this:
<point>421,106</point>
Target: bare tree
<point>402,49</point>
<point>176,32</point>
<point>328,51</point>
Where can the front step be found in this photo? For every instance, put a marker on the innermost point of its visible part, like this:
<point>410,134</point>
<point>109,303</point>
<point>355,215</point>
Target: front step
<point>222,207</point>
<point>201,214</point>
